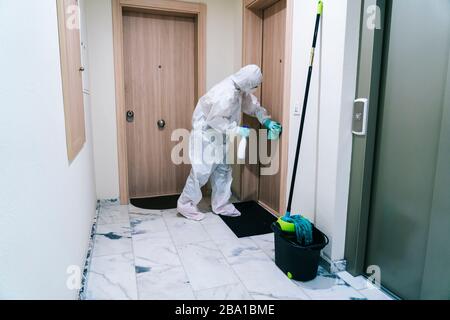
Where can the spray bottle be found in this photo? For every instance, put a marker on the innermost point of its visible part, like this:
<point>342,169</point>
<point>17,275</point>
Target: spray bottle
<point>242,147</point>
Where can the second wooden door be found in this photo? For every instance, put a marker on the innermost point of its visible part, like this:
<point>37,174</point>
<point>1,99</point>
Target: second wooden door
<point>274,27</point>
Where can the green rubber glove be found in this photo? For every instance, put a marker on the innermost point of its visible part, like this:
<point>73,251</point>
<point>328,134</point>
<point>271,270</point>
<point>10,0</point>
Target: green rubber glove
<point>274,128</point>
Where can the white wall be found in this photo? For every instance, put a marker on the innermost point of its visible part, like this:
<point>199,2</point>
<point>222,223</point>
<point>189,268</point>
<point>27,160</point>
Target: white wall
<point>323,179</point>
<point>224,39</point>
<point>102,86</point>
<point>46,205</point>
<point>224,51</point>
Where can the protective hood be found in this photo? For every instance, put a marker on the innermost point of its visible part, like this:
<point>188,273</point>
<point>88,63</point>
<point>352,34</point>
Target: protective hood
<point>248,78</point>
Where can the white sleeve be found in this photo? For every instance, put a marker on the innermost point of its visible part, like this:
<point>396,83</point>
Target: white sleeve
<point>252,107</point>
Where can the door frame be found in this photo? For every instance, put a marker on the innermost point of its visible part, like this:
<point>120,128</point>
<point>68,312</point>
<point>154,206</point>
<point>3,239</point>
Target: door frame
<point>252,54</point>
<point>370,67</point>
<point>164,7</point>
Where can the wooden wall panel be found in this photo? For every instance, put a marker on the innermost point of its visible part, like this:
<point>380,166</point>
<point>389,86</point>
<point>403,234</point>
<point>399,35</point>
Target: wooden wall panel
<point>71,73</point>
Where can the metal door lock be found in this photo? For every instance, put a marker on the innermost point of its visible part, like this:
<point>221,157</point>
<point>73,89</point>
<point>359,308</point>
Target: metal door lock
<point>130,116</point>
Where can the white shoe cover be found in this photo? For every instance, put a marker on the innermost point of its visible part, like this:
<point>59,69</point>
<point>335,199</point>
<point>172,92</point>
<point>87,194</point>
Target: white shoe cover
<point>191,212</point>
<point>228,210</point>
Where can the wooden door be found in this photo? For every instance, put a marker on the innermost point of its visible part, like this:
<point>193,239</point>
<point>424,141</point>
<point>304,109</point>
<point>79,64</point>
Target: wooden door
<point>160,77</point>
<point>274,28</point>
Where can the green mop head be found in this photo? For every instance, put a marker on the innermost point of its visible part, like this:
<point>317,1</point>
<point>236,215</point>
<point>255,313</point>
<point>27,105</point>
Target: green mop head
<point>299,225</point>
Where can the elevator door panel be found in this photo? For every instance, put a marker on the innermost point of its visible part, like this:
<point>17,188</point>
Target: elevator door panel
<point>413,100</point>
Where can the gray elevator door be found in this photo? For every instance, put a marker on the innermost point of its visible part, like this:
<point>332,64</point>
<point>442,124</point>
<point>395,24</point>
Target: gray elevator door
<point>410,204</point>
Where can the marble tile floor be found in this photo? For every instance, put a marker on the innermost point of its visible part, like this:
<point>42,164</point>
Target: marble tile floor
<point>158,255</point>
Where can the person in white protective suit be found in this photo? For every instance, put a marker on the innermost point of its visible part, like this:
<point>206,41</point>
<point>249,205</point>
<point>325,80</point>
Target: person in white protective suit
<point>220,110</point>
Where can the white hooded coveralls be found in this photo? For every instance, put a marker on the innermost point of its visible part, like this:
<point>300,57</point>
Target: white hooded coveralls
<point>219,110</point>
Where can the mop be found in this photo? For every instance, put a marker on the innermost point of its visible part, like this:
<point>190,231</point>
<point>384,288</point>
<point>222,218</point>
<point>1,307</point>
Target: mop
<point>297,224</point>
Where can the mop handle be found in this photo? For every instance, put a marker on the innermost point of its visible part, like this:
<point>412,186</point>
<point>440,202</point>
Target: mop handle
<point>305,106</point>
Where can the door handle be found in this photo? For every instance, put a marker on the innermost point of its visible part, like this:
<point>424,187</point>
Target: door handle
<point>360,117</point>
<point>161,124</point>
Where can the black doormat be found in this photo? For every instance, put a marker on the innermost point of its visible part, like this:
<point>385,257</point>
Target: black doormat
<point>157,203</point>
<point>254,221</point>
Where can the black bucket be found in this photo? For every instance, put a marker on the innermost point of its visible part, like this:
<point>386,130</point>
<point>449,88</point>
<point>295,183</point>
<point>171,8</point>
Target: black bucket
<point>298,262</point>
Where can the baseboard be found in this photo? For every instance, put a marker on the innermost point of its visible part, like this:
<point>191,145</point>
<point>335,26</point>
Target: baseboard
<point>87,264</point>
<point>332,266</point>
